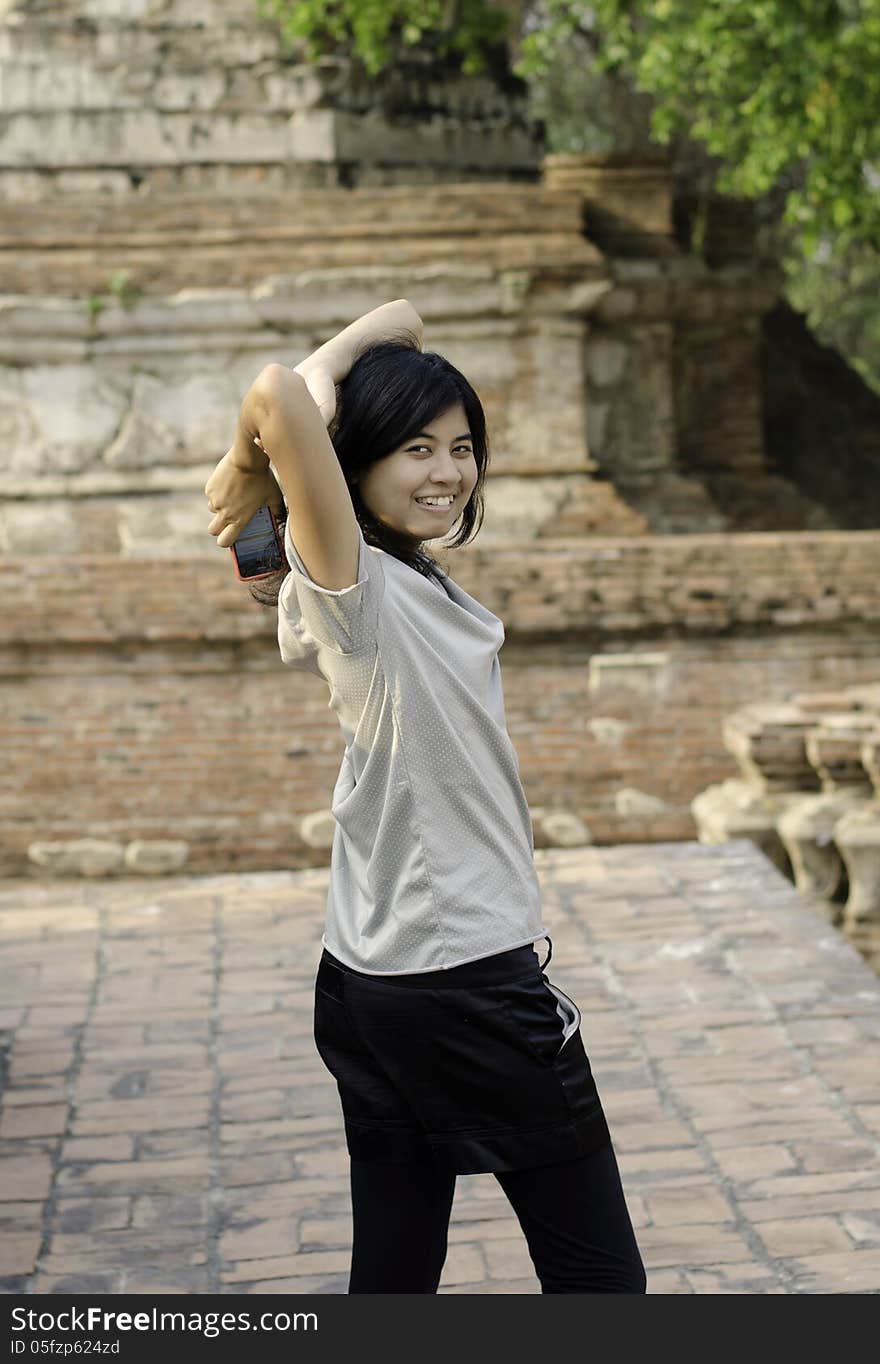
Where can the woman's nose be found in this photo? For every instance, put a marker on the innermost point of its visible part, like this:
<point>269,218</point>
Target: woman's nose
<point>445,471</point>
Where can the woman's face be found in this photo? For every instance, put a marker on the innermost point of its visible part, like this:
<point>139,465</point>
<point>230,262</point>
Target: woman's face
<point>434,463</point>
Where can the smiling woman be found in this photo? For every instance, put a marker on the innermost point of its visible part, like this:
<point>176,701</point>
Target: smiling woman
<point>407,425</point>
<point>422,483</point>
<point>452,1051</point>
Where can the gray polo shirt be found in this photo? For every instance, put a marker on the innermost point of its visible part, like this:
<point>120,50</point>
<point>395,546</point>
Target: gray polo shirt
<point>432,862</point>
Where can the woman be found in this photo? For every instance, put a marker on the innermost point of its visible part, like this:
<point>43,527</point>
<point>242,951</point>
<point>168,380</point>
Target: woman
<point>452,1051</point>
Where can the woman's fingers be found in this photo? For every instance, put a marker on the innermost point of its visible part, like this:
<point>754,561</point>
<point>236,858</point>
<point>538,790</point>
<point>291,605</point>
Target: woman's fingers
<point>234,497</point>
<point>225,528</point>
<point>228,535</point>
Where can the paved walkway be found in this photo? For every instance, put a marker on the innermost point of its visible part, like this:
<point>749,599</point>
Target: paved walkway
<point>167,1125</point>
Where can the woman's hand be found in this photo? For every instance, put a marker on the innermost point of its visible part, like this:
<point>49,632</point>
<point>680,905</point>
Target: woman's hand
<point>236,493</point>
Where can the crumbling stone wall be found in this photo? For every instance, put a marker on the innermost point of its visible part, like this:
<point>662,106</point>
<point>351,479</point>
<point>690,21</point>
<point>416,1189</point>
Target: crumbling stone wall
<point>124,681</point>
<point>113,96</point>
<point>181,203</point>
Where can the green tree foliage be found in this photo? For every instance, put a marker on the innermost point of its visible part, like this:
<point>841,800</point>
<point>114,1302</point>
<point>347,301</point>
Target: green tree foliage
<point>777,88</point>
<point>774,87</point>
<point>379,31</point>
<point>784,93</point>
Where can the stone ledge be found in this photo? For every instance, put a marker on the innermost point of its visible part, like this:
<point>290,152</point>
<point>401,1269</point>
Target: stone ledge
<point>170,243</point>
<point>700,584</point>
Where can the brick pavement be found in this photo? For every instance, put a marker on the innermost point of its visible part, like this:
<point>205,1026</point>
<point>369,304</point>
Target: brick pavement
<point>168,1126</point>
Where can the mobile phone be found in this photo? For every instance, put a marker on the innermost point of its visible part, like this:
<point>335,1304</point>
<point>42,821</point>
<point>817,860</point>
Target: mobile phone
<point>259,549</point>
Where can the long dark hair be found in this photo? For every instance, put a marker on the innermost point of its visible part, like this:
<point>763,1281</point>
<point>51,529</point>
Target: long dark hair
<point>392,391</point>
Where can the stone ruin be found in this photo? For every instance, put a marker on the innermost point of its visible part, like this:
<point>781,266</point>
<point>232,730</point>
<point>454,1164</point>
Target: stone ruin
<point>185,200</point>
<point>809,797</point>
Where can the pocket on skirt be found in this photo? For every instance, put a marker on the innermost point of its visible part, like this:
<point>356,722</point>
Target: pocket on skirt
<point>329,980</point>
<point>571,1014</point>
<point>543,1015</point>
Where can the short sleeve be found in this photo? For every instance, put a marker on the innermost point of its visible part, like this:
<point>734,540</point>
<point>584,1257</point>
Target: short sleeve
<point>310,615</point>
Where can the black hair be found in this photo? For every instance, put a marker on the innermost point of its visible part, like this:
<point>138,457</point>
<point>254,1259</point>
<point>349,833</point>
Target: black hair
<point>392,391</point>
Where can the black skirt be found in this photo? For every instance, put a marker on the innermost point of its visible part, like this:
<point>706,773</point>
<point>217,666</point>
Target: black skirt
<point>478,1068</point>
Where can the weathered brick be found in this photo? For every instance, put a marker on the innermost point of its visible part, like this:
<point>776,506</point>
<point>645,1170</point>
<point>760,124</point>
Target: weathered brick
<point>91,1214</point>
<point>753,1131</point>
<point>18,1252</point>
<point>326,1282</point>
<point>161,1210</point>
<point>667,1281</point>
<point>863,1226</point>
<point>506,1257</point>
<point>312,1262</point>
<point>800,1204</point>
<point>96,1117</point>
<point>24,1177</point>
<point>692,1243</point>
<point>803,1236</point>
<point>851,1271</point>
<point>747,1162</point>
<point>76,1150</point>
<point>271,1237</point>
<point>677,1207</point>
<point>732,1278</point>
<point>265,1270</point>
<point>143,1176</point>
<point>34,1121</point>
<point>467,1263</point>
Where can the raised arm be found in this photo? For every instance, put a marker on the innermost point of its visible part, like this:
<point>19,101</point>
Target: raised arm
<point>387,323</point>
<point>293,435</point>
<point>281,420</point>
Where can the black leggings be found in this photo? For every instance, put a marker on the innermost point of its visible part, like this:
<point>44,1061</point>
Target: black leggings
<point>573,1214</point>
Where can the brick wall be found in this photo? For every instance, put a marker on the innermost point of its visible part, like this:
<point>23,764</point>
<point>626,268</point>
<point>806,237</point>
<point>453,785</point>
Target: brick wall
<point>145,700</point>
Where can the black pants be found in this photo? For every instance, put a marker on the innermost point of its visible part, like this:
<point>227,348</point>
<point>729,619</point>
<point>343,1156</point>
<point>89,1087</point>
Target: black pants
<point>573,1214</point>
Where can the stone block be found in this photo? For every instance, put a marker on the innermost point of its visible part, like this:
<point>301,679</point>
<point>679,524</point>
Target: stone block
<point>870,757</point>
<point>606,730</point>
<point>807,827</point>
<point>768,742</point>
<point>857,836</point>
<point>606,361</point>
<point>734,809</point>
<point>317,829</point>
<point>834,747</point>
<point>645,673</point>
<point>74,410</point>
<point>632,803</point>
<point>156,857</point>
<point>78,857</point>
<point>41,527</point>
<point>558,828</point>
<point>597,423</point>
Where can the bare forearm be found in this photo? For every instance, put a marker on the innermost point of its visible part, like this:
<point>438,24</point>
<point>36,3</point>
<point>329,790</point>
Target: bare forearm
<point>248,452</point>
<point>389,322</point>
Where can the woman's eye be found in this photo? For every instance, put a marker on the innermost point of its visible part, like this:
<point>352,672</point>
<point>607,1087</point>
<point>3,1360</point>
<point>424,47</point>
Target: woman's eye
<point>466,449</point>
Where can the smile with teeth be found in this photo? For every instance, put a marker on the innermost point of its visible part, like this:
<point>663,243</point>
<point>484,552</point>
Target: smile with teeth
<point>440,502</point>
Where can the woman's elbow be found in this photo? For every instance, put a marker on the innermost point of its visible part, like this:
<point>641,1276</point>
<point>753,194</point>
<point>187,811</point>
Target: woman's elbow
<point>276,382</point>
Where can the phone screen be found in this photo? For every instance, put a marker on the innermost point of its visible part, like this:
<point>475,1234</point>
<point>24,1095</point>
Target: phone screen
<point>257,550</point>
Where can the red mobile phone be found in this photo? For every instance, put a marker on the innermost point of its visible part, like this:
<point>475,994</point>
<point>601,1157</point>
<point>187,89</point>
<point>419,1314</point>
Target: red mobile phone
<point>259,549</point>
